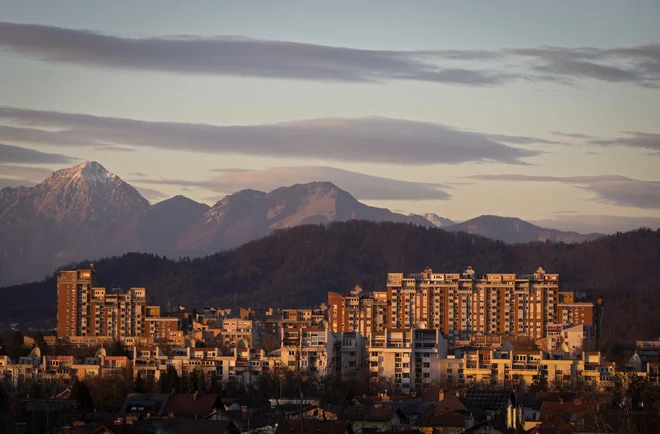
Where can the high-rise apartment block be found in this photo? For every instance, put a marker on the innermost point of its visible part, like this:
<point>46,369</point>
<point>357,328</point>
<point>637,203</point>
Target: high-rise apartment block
<point>461,305</point>
<point>87,311</point>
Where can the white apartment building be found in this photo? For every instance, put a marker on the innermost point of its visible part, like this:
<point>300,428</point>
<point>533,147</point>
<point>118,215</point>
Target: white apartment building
<point>408,356</point>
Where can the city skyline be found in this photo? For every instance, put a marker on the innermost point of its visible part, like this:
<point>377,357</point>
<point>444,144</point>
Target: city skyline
<point>514,105</point>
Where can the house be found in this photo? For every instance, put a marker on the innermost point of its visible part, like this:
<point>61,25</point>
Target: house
<point>152,404</point>
<point>531,402</point>
<point>314,412</point>
<point>245,419</point>
<point>377,418</point>
<point>186,426</point>
<point>192,405</point>
<point>413,411</point>
<point>445,422</point>
<point>555,426</point>
<point>302,426</point>
<point>487,427</point>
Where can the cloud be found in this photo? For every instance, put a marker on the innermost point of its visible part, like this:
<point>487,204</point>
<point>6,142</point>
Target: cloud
<point>17,154</point>
<point>633,139</point>
<point>615,189</point>
<point>248,57</point>
<point>240,56</point>
<point>150,194</point>
<point>369,139</point>
<point>14,183</point>
<point>606,224</point>
<point>231,170</point>
<point>137,174</point>
<point>362,186</point>
<point>25,172</point>
<point>572,135</point>
<point>637,65</point>
<point>113,149</point>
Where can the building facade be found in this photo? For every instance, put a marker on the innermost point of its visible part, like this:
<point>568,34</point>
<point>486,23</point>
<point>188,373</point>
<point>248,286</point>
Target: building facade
<point>88,314</point>
<point>462,305</point>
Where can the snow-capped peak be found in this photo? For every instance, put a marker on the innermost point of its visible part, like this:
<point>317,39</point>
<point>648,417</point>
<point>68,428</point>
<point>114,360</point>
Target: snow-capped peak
<point>92,173</point>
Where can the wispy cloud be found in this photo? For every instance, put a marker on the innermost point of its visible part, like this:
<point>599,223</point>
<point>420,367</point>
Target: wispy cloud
<point>25,172</point>
<point>114,149</point>
<point>14,183</point>
<point>371,139</point>
<point>618,190</point>
<point>633,139</point>
<point>151,194</point>
<point>573,135</point>
<point>247,57</point>
<point>637,65</point>
<point>17,154</point>
<point>235,56</point>
<point>137,174</point>
<point>362,186</point>
<point>231,170</point>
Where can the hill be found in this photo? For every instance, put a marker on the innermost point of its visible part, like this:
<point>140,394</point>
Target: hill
<point>514,230</point>
<point>296,267</point>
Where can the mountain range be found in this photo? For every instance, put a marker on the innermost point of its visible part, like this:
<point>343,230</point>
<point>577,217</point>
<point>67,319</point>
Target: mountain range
<point>86,212</point>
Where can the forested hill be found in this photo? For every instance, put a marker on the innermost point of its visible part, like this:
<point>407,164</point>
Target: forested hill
<point>297,267</point>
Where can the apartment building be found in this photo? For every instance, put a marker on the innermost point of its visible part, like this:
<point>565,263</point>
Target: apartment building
<point>462,305</point>
<point>88,314</point>
<point>235,330</point>
<point>409,357</point>
<point>511,368</point>
<point>358,312</point>
<point>36,367</point>
<point>347,354</point>
<point>302,318</point>
<point>306,350</point>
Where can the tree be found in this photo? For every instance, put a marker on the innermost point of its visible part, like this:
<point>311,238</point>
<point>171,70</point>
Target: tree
<point>625,397</point>
<point>81,393</point>
<point>139,385</point>
<point>540,383</point>
<point>110,392</point>
<point>15,347</point>
<point>170,381</point>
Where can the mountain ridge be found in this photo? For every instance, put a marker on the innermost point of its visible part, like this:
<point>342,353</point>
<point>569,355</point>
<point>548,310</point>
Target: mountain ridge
<point>515,230</point>
<point>85,212</point>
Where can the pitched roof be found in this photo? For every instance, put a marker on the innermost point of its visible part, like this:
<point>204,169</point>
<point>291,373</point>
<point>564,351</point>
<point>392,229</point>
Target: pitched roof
<point>409,408</point>
<point>246,419</point>
<point>552,410</point>
<point>153,403</point>
<point>369,414</point>
<point>488,399</point>
<point>191,405</point>
<point>448,419</point>
<point>185,426</point>
<point>312,426</point>
<point>450,403</point>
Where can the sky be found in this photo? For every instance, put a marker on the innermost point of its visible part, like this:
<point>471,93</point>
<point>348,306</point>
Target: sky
<point>548,112</point>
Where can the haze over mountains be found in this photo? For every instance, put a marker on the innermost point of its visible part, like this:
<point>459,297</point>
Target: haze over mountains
<point>86,212</point>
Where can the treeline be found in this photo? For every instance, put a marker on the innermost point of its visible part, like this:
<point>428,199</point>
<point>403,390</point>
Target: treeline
<point>297,267</point>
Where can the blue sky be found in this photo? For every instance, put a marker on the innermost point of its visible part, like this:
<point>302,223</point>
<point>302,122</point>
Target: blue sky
<point>545,111</point>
